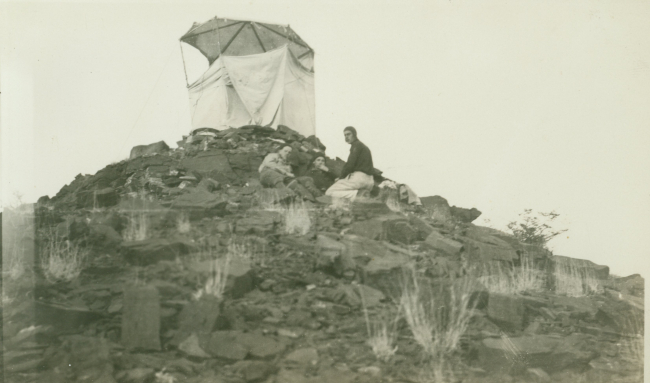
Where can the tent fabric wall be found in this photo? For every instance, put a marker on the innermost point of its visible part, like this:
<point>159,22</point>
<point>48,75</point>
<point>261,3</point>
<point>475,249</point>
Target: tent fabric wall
<point>267,89</point>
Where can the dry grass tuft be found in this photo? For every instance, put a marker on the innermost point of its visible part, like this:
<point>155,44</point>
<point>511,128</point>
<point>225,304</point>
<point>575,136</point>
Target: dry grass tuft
<point>183,224</point>
<point>137,227</point>
<point>513,281</point>
<point>296,219</point>
<point>437,317</point>
<point>61,260</point>
<point>217,279</point>
<point>381,336</point>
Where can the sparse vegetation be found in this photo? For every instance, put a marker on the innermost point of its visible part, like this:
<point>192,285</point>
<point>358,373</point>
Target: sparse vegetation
<point>137,227</point>
<point>183,224</point>
<point>242,248</point>
<point>515,280</point>
<point>437,318</point>
<point>535,228</point>
<point>267,198</point>
<point>218,276</point>
<point>382,335</point>
<point>296,219</point>
<point>61,259</point>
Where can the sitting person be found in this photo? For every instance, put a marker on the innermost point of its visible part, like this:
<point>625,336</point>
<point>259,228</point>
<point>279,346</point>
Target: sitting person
<point>321,175</point>
<point>357,173</point>
<point>275,172</point>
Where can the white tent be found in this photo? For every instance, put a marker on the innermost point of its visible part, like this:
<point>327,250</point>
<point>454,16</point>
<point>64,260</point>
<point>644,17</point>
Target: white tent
<point>247,82</point>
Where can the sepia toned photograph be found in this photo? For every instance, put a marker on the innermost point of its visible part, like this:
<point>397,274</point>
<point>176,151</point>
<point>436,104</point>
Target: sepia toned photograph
<point>324,192</point>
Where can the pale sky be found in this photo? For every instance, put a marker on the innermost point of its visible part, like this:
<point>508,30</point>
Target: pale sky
<point>498,105</point>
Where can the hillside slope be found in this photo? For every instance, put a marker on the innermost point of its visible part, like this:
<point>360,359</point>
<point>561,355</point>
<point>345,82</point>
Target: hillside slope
<point>177,266</point>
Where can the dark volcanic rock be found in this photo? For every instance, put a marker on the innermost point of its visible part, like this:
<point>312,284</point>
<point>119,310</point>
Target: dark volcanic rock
<point>465,215</point>
<point>507,311</point>
<point>89,359</point>
<point>201,203</point>
<point>211,163</point>
<point>141,318</point>
<point>439,242</point>
<point>552,354</point>
<point>142,150</point>
<point>153,250</point>
<point>198,317</point>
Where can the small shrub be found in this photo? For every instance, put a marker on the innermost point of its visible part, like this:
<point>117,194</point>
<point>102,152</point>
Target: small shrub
<point>535,230</point>
<point>61,260</point>
<point>296,219</point>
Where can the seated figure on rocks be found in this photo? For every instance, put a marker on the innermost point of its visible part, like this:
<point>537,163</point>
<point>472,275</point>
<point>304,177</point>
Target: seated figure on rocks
<point>275,172</point>
<point>322,176</point>
<point>356,175</point>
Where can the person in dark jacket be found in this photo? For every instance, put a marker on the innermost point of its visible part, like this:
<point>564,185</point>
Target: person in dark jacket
<point>321,175</point>
<point>357,172</point>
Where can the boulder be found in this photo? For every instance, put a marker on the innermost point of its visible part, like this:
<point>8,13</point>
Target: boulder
<point>580,266</point>
<point>439,242</point>
<point>141,318</point>
<point>390,227</point>
<point>104,237</point>
<point>254,370</point>
<point>89,359</point>
<point>622,316</point>
<point>142,150</point>
<point>313,140</point>
<point>206,183</point>
<point>153,250</point>
<point>262,222</point>
<point>369,208</point>
<point>423,228</point>
<point>211,163</point>
<point>225,345</point>
<point>240,277</point>
<point>142,163</point>
<point>515,355</point>
<point>191,347</point>
<point>200,203</point>
<point>97,198</point>
<point>631,285</point>
<point>63,317</point>
<point>380,267</point>
<point>137,375</point>
<point>73,228</point>
<point>197,317</point>
<point>486,252</point>
<point>302,356</point>
<point>236,345</point>
<point>437,208</point>
<point>334,256</point>
<point>507,311</point>
<point>464,215</point>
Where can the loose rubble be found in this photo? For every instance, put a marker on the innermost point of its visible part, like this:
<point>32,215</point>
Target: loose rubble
<point>193,276</point>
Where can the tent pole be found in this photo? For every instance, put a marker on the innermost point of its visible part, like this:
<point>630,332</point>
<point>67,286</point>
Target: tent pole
<point>180,43</point>
<point>218,36</point>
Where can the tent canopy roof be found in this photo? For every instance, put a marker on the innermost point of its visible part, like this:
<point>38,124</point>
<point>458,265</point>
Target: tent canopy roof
<point>219,36</point>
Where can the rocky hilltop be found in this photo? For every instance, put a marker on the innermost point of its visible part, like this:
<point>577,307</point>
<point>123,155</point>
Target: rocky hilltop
<point>177,266</point>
